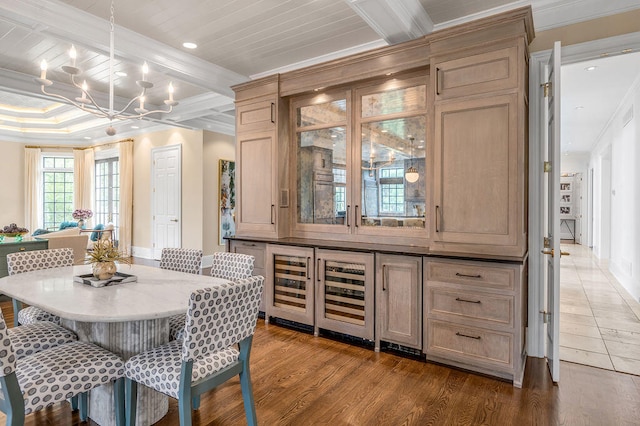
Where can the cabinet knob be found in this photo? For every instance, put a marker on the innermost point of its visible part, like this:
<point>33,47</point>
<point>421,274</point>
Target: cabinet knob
<point>23,248</point>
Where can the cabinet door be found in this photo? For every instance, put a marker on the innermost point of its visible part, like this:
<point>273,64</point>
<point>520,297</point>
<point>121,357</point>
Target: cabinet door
<point>258,116</point>
<point>477,172</point>
<point>399,300</point>
<point>481,73</point>
<point>256,185</point>
<point>290,287</point>
<point>344,300</point>
<point>258,251</point>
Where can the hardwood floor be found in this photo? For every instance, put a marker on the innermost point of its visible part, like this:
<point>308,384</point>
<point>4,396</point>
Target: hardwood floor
<point>299,379</point>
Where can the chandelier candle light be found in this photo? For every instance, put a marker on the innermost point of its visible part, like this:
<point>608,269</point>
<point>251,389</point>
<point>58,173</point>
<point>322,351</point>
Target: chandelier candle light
<point>87,103</point>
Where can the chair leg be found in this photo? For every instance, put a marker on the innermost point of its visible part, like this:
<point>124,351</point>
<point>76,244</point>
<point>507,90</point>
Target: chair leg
<point>83,402</point>
<point>13,404</point>
<point>247,396</point>
<point>131,401</point>
<point>195,402</point>
<point>74,403</point>
<point>17,306</point>
<point>184,394</point>
<point>118,396</point>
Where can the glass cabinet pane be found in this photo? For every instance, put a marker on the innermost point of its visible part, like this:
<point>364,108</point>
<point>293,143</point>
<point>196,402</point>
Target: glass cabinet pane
<point>404,100</point>
<point>321,152</point>
<point>290,282</point>
<point>393,172</point>
<point>344,292</point>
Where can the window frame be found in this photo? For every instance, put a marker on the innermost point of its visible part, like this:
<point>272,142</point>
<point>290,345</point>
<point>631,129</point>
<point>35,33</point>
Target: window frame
<point>69,205</point>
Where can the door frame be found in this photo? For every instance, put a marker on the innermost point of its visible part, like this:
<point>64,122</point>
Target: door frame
<point>155,252</point>
<point>570,54</point>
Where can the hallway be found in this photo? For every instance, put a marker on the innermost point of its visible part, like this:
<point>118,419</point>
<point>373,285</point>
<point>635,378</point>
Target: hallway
<point>599,320</point>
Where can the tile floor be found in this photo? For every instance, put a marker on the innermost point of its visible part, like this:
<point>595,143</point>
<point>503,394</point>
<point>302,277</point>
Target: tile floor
<point>599,320</point>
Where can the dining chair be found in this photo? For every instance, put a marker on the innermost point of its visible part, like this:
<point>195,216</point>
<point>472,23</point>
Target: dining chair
<point>34,382</point>
<point>218,319</point>
<point>182,260</point>
<point>30,339</point>
<point>26,261</point>
<point>232,266</point>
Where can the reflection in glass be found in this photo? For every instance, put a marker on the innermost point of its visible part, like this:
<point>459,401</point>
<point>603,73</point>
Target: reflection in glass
<point>322,114</point>
<point>389,149</point>
<point>395,101</point>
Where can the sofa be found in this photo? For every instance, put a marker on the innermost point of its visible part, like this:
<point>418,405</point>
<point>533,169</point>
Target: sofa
<point>80,240</point>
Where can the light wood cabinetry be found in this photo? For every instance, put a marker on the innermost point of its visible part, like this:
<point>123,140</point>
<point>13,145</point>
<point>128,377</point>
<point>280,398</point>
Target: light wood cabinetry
<point>344,299</point>
<point>480,148</point>
<point>475,316</point>
<point>399,300</point>
<point>290,284</point>
<point>258,251</point>
<point>331,173</point>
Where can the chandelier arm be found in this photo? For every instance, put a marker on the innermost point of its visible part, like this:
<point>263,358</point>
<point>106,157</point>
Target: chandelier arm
<point>75,104</point>
<point>118,113</point>
<point>103,111</point>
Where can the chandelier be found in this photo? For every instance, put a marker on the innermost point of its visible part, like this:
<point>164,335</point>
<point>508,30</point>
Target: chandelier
<point>87,103</point>
<point>372,156</point>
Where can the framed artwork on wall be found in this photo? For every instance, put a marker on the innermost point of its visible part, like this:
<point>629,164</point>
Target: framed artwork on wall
<point>227,199</point>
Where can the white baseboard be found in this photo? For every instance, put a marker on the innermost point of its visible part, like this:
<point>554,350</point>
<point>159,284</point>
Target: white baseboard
<point>142,252</point>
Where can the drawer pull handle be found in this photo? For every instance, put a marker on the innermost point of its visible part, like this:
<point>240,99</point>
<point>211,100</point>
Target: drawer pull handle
<point>466,335</point>
<point>468,301</point>
<point>248,245</point>
<point>23,248</point>
<point>458,274</point>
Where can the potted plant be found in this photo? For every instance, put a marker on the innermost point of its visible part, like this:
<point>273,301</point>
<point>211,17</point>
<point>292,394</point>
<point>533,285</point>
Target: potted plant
<point>103,257</point>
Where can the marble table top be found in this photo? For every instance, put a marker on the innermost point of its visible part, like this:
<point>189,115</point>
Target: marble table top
<point>158,293</point>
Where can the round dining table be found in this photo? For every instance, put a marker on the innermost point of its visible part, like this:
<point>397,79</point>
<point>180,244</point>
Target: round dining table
<point>126,318</point>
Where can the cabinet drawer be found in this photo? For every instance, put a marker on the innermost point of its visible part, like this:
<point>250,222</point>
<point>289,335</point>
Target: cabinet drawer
<point>256,250</point>
<point>491,308</point>
<point>469,344</point>
<point>472,273</point>
<point>486,72</point>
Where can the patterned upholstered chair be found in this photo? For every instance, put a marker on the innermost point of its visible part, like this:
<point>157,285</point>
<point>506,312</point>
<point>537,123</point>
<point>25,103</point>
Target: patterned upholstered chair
<point>232,266</point>
<point>37,381</point>
<point>26,261</point>
<point>218,318</point>
<point>183,260</point>
<point>42,335</point>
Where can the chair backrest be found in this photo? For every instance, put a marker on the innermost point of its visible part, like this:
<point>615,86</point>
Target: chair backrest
<point>7,355</point>
<point>221,316</point>
<point>232,266</point>
<point>181,259</point>
<point>25,261</point>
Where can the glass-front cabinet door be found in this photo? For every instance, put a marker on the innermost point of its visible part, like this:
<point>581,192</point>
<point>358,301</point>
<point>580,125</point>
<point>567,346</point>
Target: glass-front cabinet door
<point>321,158</point>
<point>360,160</point>
<point>391,181</point>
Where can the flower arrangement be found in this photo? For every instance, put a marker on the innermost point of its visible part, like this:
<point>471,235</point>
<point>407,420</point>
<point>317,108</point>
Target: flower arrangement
<point>105,251</point>
<point>82,214</point>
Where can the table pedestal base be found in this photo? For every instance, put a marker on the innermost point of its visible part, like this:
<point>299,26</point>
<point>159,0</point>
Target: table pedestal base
<point>125,339</point>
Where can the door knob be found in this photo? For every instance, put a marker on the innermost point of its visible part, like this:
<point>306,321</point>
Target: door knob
<point>562,253</point>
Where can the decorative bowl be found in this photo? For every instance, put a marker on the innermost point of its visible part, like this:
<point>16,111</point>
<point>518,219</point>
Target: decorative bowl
<point>13,234</point>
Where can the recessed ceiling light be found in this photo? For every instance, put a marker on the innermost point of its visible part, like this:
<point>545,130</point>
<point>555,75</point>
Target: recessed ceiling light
<point>189,45</point>
<point>120,73</point>
<point>384,131</point>
<point>591,68</point>
<point>135,127</point>
<point>87,137</point>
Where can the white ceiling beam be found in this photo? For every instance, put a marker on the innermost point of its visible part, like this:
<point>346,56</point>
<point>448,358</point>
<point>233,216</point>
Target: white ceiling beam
<point>394,20</point>
<point>68,24</point>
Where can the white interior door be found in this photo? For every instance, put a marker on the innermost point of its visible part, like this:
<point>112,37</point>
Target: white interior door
<point>552,237</point>
<point>166,183</point>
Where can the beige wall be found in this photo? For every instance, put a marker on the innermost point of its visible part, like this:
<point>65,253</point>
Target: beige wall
<point>216,147</point>
<point>12,178</point>
<point>192,185</point>
<point>595,29</point>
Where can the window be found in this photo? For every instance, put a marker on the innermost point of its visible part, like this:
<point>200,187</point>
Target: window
<point>57,191</point>
<point>108,192</point>
<point>340,195</point>
<point>392,190</point>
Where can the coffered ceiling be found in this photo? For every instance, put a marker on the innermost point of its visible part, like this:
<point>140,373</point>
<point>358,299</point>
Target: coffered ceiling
<point>237,40</point>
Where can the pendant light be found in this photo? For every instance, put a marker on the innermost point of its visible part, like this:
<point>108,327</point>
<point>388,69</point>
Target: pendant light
<point>411,175</point>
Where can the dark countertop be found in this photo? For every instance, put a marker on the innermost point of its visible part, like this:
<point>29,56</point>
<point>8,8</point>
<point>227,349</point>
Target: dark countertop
<point>407,250</point>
